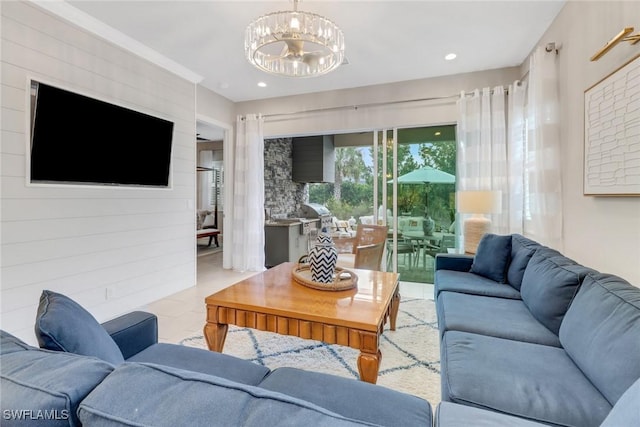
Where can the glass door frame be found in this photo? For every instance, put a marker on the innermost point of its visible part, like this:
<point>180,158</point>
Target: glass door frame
<point>385,178</point>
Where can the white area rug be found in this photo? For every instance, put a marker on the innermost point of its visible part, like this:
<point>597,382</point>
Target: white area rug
<point>410,354</point>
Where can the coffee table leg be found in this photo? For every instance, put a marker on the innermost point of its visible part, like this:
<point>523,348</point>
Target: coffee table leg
<point>393,315</point>
<point>369,358</point>
<point>215,334</point>
<point>369,365</point>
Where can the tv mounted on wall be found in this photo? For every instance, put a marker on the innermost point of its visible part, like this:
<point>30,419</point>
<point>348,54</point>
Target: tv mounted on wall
<point>76,139</point>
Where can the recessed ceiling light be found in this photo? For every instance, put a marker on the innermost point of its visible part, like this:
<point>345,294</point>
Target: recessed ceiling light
<point>450,56</point>
<point>262,84</point>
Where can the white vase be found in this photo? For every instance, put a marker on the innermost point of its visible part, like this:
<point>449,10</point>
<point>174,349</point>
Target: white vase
<point>322,259</point>
<point>428,226</point>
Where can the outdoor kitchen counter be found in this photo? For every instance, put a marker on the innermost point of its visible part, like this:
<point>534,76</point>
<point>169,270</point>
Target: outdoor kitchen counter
<point>286,240</point>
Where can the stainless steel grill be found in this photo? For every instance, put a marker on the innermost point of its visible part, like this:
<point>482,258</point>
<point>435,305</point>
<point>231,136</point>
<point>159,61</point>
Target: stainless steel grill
<point>314,210</point>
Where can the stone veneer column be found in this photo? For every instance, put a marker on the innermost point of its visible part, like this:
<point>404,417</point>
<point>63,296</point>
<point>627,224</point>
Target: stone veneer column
<point>281,195</point>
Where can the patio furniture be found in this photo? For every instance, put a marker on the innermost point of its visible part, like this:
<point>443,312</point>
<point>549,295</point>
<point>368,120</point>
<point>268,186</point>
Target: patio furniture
<point>369,257</point>
<point>365,235</point>
<point>404,246</point>
<point>447,241</point>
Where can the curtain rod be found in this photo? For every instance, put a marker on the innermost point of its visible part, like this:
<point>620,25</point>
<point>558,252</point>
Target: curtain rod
<point>355,107</point>
<point>550,47</point>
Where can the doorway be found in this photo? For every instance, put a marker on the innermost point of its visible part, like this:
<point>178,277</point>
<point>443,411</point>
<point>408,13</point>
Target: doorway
<point>421,196</point>
<point>210,140</point>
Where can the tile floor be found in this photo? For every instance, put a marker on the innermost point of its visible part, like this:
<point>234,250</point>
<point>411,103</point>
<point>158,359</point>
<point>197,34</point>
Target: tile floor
<point>183,314</point>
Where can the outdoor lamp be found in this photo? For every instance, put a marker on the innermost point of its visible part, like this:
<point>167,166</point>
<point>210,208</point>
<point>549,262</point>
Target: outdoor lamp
<point>477,203</point>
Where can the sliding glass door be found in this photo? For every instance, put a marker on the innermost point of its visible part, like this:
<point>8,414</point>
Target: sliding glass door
<point>404,178</point>
<point>420,198</point>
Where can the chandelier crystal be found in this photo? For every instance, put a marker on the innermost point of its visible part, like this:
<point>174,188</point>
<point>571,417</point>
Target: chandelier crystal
<point>294,44</point>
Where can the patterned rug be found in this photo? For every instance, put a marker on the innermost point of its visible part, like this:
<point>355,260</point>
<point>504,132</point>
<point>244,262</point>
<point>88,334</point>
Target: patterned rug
<point>410,354</point>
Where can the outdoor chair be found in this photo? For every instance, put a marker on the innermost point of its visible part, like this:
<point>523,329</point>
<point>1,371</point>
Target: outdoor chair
<point>369,257</point>
<point>405,247</point>
<point>365,235</point>
<point>448,241</point>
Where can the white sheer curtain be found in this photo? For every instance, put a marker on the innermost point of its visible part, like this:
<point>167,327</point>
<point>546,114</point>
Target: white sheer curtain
<point>204,180</point>
<point>543,218</point>
<point>515,206</point>
<point>247,247</point>
<point>516,150</point>
<point>482,147</point>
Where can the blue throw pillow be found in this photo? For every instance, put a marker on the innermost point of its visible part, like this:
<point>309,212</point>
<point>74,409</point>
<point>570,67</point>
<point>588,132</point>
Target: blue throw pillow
<point>63,325</point>
<point>492,257</point>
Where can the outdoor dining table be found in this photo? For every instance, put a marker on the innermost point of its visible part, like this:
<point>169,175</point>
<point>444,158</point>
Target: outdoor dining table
<point>435,238</point>
<point>420,239</point>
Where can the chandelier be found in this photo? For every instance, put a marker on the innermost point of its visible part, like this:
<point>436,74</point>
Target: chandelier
<point>294,44</point>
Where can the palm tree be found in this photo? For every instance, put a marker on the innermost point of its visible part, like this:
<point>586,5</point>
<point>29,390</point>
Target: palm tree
<point>349,164</point>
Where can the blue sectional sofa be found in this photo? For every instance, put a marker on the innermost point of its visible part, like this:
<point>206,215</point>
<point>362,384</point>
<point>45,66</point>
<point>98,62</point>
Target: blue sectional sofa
<point>529,333</point>
<point>528,338</point>
<point>118,374</point>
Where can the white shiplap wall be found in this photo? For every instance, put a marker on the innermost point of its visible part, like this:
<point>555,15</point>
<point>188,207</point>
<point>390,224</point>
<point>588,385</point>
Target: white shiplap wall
<point>81,241</point>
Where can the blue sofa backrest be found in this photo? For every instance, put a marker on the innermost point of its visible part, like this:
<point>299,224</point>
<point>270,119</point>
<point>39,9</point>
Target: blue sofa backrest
<point>195,399</point>
<point>42,387</point>
<point>522,249</point>
<point>549,284</point>
<point>601,333</point>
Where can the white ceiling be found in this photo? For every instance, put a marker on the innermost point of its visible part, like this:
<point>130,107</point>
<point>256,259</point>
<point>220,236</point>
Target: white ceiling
<point>386,41</point>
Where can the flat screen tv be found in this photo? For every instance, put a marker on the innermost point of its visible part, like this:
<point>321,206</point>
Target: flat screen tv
<point>76,139</point>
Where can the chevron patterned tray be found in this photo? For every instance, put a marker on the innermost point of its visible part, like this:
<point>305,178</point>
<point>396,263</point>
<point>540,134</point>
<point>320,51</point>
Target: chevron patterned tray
<point>343,279</point>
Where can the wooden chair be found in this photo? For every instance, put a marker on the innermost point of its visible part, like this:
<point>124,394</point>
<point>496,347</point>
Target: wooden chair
<point>370,234</point>
<point>365,235</point>
<point>369,257</point>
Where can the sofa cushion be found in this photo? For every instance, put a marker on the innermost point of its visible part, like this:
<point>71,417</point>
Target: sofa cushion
<point>533,381</point>
<point>492,257</point>
<point>496,317</point>
<point>626,411</point>
<point>601,333</point>
<point>11,344</point>
<point>453,415</point>
<point>205,361</point>
<point>522,249</point>
<point>63,325</point>
<point>549,285</point>
<point>145,394</point>
<point>469,283</point>
<point>351,398</point>
<point>45,387</point>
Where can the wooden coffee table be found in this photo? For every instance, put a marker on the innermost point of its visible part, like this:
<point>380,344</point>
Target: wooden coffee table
<point>272,301</point>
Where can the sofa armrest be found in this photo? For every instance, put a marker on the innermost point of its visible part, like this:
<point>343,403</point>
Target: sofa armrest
<point>456,262</point>
<point>133,332</point>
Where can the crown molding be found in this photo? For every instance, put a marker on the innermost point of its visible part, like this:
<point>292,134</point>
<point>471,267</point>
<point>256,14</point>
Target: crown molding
<point>87,22</point>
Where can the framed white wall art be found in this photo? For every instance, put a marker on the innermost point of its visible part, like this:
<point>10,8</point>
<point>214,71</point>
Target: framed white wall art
<point>612,133</point>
